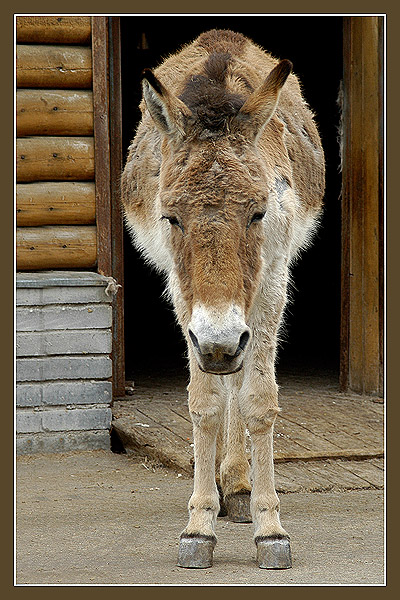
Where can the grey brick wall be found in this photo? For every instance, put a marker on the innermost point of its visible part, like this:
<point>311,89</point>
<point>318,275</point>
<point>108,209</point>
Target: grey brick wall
<point>64,340</point>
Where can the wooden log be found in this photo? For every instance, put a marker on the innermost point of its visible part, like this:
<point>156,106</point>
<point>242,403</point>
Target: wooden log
<point>54,66</point>
<point>55,158</point>
<point>55,203</point>
<point>53,112</point>
<point>53,30</point>
<point>51,247</point>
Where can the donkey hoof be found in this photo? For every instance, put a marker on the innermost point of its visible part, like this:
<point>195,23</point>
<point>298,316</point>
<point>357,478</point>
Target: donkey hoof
<point>238,507</point>
<point>273,553</point>
<point>196,552</point>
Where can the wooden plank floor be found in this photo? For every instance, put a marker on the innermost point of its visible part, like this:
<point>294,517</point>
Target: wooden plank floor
<point>324,440</point>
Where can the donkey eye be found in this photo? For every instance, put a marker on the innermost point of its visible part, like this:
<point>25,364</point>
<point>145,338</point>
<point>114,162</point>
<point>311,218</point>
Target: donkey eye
<point>173,221</point>
<point>258,216</point>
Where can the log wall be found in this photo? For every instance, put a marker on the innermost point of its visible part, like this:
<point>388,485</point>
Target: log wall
<point>55,192</point>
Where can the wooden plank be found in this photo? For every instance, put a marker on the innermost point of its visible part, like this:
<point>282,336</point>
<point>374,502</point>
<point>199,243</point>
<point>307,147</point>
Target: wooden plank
<point>55,203</point>
<point>336,477</point>
<point>308,440</point>
<point>305,479</point>
<point>331,422</point>
<point>356,349</point>
<point>163,415</point>
<point>43,66</point>
<point>153,440</point>
<point>379,463</point>
<point>371,258</point>
<point>366,471</point>
<point>55,158</point>
<point>366,423</point>
<point>54,112</point>
<point>53,30</point>
<point>53,247</point>
<point>284,482</point>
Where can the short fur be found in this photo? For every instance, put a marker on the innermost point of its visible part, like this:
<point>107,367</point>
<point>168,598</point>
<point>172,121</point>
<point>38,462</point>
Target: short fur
<point>222,187</point>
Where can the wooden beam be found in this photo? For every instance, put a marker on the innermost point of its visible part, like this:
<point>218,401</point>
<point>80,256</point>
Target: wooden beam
<point>361,331</point>
<point>107,133</point>
<point>55,203</point>
<point>70,247</point>
<point>53,30</point>
<point>54,112</point>
<point>117,255</point>
<point>55,158</point>
<point>101,110</point>
<point>43,66</point>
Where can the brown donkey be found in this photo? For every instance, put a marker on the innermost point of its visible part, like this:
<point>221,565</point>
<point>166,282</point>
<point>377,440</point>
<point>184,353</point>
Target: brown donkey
<point>222,187</point>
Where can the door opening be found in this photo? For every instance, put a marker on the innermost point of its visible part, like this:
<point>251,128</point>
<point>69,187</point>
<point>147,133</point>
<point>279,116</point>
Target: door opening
<point>311,335</point>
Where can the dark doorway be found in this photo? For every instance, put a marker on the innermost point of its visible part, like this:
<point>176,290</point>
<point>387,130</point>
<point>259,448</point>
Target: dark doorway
<point>310,338</point>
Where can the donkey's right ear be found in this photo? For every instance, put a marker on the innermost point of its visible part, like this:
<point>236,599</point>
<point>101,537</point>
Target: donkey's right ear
<point>168,111</point>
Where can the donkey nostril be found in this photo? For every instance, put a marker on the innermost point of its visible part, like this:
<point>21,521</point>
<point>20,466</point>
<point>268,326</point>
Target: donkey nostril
<point>244,338</point>
<point>195,341</point>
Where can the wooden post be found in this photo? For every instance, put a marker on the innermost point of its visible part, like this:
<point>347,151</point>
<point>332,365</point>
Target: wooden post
<point>108,165</point>
<point>362,247</point>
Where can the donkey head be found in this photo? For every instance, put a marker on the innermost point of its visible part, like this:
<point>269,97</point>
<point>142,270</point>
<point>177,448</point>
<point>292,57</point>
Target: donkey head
<point>213,197</point>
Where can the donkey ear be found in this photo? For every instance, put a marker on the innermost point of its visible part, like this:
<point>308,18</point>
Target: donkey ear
<point>167,111</point>
<point>260,105</point>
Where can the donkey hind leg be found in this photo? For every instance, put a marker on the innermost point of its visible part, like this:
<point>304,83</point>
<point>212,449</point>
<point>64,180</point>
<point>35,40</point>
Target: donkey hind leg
<point>206,407</point>
<point>235,468</point>
<point>220,453</point>
<point>259,406</point>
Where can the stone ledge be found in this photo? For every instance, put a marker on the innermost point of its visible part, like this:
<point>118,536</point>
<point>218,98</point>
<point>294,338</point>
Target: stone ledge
<point>62,442</point>
<point>45,279</point>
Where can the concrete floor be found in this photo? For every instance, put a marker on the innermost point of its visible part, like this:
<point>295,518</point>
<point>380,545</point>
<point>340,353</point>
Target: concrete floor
<point>104,518</point>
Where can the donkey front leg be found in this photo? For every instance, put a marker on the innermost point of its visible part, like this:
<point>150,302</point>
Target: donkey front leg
<point>206,407</point>
<point>235,468</point>
<point>258,403</point>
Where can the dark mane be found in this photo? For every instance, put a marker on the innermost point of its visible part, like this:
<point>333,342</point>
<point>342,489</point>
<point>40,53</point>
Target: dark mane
<point>207,96</point>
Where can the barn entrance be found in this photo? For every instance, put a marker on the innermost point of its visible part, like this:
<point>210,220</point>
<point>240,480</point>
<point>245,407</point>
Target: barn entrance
<point>312,332</point>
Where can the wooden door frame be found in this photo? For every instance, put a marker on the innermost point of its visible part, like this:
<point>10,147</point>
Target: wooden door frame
<point>106,56</point>
<point>362,272</point>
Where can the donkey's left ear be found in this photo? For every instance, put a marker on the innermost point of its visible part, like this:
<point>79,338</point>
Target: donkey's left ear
<point>168,111</point>
<point>260,105</point>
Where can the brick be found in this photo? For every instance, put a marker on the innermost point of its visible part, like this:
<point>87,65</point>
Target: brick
<point>29,395</point>
<point>62,442</point>
<point>76,419</point>
<point>62,367</point>
<point>85,316</point>
<point>49,343</point>
<point>29,422</point>
<point>64,392</point>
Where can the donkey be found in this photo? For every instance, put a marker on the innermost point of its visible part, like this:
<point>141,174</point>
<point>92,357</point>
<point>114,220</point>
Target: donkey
<point>222,187</point>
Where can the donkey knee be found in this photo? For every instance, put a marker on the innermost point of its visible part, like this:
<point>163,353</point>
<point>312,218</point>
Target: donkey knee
<point>207,419</point>
<point>262,422</point>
